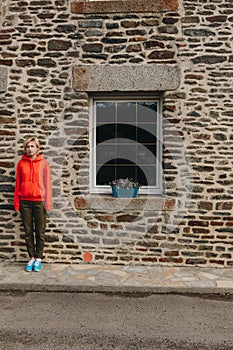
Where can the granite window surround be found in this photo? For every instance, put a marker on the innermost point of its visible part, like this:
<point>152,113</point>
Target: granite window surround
<point>112,79</point>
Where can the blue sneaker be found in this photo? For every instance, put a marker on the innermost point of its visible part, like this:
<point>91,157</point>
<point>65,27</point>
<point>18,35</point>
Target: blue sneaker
<point>30,265</point>
<point>37,266</point>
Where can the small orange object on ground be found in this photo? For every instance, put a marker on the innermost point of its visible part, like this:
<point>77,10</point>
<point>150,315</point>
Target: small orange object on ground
<point>87,257</point>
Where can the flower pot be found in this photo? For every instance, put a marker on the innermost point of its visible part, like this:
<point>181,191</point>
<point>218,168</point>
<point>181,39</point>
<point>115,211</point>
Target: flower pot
<point>121,192</point>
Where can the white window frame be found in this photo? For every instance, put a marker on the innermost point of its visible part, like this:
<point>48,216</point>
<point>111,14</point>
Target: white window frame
<point>148,190</point>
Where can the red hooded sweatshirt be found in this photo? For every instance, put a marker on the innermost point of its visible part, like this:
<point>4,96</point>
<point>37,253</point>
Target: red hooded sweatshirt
<point>33,181</point>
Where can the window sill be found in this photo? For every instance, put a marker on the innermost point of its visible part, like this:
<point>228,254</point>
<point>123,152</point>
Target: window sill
<point>109,203</point>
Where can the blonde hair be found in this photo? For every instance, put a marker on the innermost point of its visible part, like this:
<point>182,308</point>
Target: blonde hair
<point>31,139</point>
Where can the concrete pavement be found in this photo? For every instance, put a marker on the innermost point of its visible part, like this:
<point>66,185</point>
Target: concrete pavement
<point>115,278</point>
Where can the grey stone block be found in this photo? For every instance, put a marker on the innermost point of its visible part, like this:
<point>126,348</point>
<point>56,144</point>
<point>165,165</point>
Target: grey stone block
<point>3,79</point>
<point>152,77</point>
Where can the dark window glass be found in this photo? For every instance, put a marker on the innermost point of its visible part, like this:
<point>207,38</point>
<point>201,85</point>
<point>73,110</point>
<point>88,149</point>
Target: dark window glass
<point>126,141</point>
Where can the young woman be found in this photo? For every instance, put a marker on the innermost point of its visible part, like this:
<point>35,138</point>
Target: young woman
<point>33,197</point>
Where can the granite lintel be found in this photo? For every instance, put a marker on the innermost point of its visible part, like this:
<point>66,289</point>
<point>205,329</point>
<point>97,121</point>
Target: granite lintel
<point>110,78</point>
<point>123,6</point>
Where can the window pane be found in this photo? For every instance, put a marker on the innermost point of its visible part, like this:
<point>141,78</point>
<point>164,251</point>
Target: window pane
<point>141,176</point>
<point>123,162</point>
<point>147,112</point>
<point>105,174</point>
<point>149,173</point>
<point>146,154</point>
<point>127,151</point>
<point>126,171</point>
<point>126,131</point>
<point>149,127</point>
<point>126,112</point>
<point>146,136</point>
<point>105,132</point>
<point>105,112</point>
<point>105,153</point>
<point>152,148</point>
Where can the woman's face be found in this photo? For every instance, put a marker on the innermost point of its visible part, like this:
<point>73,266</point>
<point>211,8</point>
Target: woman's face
<point>31,150</point>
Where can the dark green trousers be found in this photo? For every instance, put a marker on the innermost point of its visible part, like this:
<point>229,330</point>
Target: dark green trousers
<point>33,216</point>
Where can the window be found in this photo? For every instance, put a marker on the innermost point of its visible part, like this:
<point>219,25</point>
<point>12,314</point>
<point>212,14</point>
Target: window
<point>126,142</point>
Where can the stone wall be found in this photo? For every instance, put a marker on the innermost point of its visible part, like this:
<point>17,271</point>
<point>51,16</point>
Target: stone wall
<point>42,43</point>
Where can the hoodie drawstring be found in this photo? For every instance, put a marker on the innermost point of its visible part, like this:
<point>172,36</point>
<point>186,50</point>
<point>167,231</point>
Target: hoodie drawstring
<point>32,171</point>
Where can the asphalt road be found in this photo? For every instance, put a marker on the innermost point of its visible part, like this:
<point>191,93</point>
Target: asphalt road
<point>67,321</point>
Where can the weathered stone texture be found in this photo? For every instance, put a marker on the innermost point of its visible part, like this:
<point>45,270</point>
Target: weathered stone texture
<point>151,77</point>
<point>41,45</point>
<point>122,6</point>
<point>3,78</point>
